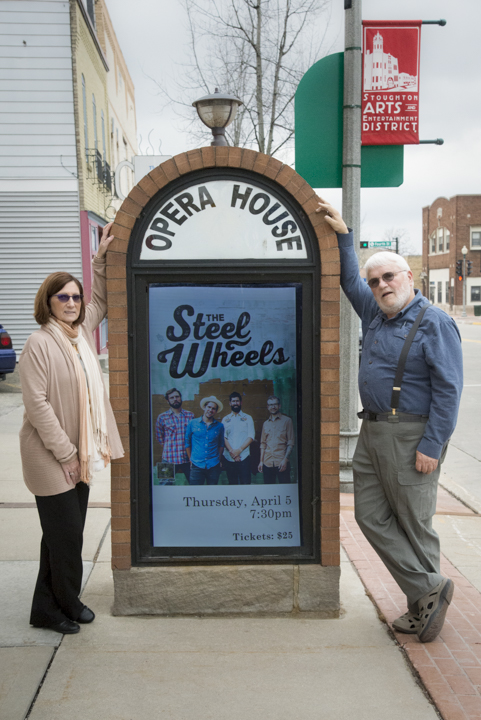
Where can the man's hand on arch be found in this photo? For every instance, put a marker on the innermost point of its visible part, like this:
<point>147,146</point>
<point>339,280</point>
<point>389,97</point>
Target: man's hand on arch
<point>332,217</point>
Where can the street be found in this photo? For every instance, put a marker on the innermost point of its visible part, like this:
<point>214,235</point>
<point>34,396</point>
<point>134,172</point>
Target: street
<point>461,472</point>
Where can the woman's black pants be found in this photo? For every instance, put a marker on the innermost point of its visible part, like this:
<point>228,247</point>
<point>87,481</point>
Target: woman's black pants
<point>56,595</point>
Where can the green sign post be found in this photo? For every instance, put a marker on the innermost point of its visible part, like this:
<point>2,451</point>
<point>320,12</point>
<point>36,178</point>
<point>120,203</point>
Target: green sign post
<point>319,133</point>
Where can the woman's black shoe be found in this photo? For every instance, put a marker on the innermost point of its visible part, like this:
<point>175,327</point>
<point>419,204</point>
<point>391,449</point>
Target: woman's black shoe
<point>66,627</point>
<point>86,616</point>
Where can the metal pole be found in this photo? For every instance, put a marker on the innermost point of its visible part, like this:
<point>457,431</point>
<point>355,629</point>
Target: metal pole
<point>463,314</point>
<point>351,211</point>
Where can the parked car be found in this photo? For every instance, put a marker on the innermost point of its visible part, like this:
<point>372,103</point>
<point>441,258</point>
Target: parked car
<point>8,357</point>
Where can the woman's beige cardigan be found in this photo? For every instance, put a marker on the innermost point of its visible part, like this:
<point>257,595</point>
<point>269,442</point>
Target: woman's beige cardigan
<point>50,431</point>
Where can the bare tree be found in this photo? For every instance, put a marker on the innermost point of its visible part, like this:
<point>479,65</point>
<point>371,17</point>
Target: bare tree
<point>405,245</point>
<point>257,50</point>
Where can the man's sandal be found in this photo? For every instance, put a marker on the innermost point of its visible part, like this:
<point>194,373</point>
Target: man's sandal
<point>432,610</point>
<point>407,623</point>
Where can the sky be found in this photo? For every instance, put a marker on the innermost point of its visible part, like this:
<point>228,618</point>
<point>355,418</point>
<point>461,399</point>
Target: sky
<point>154,41</point>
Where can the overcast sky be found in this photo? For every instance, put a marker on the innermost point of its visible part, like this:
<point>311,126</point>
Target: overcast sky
<point>153,38</point>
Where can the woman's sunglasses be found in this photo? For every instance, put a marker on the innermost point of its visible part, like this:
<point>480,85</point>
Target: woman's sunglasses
<point>65,298</point>
<point>387,277</point>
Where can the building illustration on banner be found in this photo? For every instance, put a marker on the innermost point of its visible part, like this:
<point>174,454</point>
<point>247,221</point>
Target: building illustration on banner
<point>381,70</point>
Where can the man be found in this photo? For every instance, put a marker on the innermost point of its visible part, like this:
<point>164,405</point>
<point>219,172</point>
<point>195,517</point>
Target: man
<point>406,425</point>
<point>170,432</point>
<point>204,443</point>
<point>277,442</point>
<point>239,433</point>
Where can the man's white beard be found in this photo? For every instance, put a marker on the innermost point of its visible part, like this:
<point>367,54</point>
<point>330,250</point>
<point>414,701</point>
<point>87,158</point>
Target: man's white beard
<point>402,297</point>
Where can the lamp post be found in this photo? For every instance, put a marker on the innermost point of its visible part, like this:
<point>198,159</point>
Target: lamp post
<point>464,251</point>
<point>217,111</point>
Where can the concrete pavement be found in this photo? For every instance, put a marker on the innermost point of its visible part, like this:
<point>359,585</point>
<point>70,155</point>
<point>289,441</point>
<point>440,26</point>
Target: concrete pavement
<point>147,667</point>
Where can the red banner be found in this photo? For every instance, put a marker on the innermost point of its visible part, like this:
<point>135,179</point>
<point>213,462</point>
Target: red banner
<point>390,84</point>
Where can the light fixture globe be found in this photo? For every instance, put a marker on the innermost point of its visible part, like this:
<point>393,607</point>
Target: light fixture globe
<point>217,111</point>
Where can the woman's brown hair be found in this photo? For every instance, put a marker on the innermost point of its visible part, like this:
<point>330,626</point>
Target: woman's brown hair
<point>51,286</point>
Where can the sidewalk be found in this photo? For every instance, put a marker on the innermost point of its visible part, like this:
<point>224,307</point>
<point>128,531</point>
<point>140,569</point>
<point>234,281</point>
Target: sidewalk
<point>143,668</point>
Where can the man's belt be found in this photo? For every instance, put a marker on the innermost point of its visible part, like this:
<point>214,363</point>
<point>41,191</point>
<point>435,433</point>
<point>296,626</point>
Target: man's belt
<point>390,417</point>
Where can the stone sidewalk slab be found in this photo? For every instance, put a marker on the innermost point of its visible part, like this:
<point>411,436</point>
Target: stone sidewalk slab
<point>133,668</point>
<point>461,543</point>
<point>449,667</point>
<point>22,670</point>
<point>17,582</point>
<point>21,533</point>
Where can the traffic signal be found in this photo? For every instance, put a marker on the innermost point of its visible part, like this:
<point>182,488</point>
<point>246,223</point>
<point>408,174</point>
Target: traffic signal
<point>469,267</point>
<point>459,269</point>
<point>364,245</point>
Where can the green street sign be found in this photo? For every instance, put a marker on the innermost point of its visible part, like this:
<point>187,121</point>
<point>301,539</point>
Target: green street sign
<point>319,128</point>
<point>384,243</point>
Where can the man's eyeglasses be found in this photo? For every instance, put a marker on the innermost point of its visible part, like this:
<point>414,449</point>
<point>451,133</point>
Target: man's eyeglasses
<point>65,298</point>
<point>387,277</point>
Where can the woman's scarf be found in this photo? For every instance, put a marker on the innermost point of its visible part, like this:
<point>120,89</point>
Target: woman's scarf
<point>94,450</point>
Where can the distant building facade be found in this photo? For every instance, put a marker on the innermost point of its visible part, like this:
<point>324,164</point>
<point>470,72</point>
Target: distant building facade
<point>448,226</point>
<point>56,149</point>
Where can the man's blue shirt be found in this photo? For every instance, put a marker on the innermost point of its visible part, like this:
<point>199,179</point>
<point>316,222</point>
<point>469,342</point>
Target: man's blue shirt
<point>205,441</point>
<point>433,376</point>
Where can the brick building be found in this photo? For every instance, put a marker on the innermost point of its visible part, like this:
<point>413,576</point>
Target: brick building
<point>68,118</point>
<point>448,226</point>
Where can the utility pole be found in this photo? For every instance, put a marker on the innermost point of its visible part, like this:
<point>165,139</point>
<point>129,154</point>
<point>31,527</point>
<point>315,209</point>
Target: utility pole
<point>464,251</point>
<point>351,212</point>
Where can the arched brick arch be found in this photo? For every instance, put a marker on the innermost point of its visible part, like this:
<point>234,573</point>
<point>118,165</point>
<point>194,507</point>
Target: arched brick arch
<point>125,219</point>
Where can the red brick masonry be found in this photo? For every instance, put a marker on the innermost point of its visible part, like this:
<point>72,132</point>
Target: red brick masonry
<point>449,667</point>
<point>132,206</point>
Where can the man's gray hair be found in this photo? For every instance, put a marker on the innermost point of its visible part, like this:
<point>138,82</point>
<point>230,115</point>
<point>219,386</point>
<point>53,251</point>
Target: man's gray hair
<point>385,258</point>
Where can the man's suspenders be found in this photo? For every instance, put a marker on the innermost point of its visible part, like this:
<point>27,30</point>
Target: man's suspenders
<point>396,391</point>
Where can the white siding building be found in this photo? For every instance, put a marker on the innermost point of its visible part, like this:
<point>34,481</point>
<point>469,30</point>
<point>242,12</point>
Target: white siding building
<point>39,198</point>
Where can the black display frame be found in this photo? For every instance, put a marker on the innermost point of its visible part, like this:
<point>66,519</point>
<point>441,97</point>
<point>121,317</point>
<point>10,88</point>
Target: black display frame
<point>303,272</point>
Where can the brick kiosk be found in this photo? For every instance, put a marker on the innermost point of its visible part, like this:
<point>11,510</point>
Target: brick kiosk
<point>157,584</point>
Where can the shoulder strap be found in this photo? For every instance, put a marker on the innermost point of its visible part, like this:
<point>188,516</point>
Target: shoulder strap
<point>396,391</point>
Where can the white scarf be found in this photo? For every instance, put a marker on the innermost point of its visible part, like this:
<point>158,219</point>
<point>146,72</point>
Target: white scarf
<point>94,454</point>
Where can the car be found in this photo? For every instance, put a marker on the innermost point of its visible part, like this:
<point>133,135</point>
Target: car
<point>8,357</point>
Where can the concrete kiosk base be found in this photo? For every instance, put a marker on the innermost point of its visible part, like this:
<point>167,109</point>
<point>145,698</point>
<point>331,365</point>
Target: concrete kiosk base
<point>228,590</point>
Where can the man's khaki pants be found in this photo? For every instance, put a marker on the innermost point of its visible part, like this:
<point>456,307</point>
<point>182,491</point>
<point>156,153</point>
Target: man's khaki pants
<point>394,505</point>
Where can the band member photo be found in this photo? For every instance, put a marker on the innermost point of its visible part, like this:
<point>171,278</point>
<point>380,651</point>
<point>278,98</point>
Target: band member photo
<point>204,443</point>
<point>170,430</point>
<point>277,442</point>
<point>239,433</point>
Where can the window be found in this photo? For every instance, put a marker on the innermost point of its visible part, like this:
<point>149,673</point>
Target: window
<point>447,292</point>
<point>476,238</point>
<point>94,239</point>
<point>94,110</point>
<point>440,291</point>
<point>86,134</point>
<point>433,243</point>
<point>91,10</point>
<point>104,149</point>
<point>441,240</point>
<point>432,290</point>
<point>447,238</point>
<point>475,293</point>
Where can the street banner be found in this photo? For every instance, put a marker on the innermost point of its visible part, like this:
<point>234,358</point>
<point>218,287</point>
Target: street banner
<point>390,94</point>
<point>210,343</point>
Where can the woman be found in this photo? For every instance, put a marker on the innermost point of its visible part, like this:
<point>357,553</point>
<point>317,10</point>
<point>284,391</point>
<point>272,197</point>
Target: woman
<point>68,433</point>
